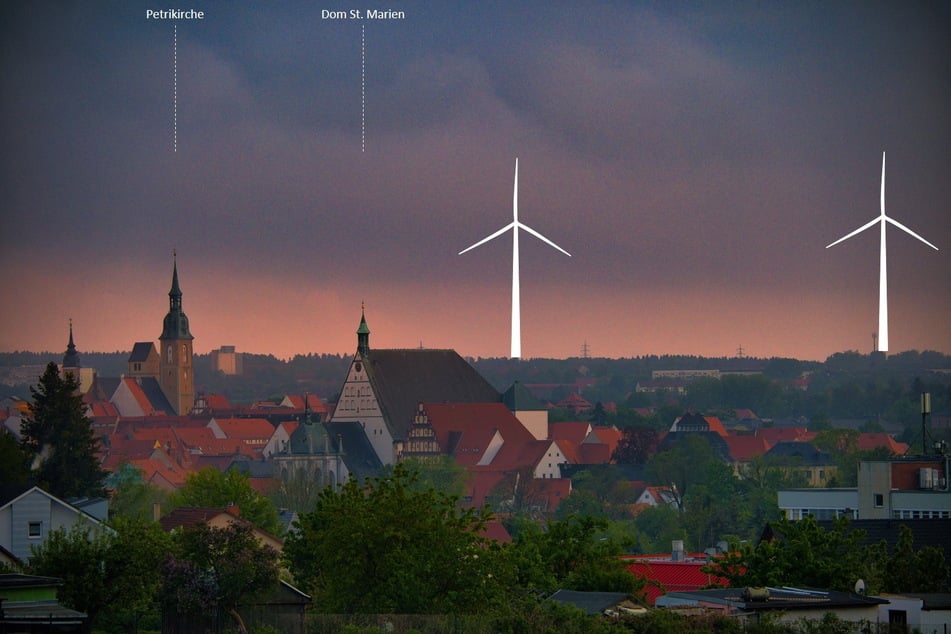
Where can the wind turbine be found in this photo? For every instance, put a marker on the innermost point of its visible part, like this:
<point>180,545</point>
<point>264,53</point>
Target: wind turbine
<point>882,278</point>
<point>515,225</point>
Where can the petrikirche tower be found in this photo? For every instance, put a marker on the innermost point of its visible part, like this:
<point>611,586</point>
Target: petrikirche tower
<point>175,351</point>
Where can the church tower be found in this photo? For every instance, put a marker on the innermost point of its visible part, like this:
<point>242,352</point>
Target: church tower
<point>175,353</point>
<point>71,358</point>
<point>363,335</point>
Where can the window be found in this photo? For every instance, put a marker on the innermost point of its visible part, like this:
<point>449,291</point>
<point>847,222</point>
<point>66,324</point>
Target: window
<point>879,500</point>
<point>36,529</point>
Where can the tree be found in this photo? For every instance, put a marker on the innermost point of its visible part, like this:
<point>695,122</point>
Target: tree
<point>443,474</point>
<point>210,488</point>
<point>801,553</point>
<point>386,546</point>
<point>58,438</point>
<point>636,446</point>
<point>132,497</point>
<point>571,554</point>
<point>910,570</point>
<point>111,574</point>
<point>14,465</point>
<point>217,568</point>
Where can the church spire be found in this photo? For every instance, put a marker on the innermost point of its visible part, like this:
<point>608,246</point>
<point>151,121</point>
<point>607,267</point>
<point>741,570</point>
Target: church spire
<point>71,358</point>
<point>176,323</point>
<point>363,333</point>
<point>175,294</point>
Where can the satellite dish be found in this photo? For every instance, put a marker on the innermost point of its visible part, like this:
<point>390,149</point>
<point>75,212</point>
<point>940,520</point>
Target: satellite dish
<point>860,587</point>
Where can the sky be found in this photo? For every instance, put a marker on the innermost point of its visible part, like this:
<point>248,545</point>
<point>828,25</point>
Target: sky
<point>694,158</point>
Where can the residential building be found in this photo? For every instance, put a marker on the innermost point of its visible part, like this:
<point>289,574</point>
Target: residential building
<point>28,515</point>
<point>677,571</point>
<point>29,603</point>
<point>915,487</point>
<point>785,605</point>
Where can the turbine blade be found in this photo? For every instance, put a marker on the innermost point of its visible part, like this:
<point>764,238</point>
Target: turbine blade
<point>910,232</point>
<point>871,223</point>
<point>486,239</point>
<point>883,183</point>
<point>542,238</point>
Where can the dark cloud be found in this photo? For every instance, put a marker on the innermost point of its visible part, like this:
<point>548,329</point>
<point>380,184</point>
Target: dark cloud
<point>667,148</point>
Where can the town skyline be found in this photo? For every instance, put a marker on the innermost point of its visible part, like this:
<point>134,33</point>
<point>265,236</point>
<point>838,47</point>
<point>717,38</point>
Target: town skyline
<point>695,161</point>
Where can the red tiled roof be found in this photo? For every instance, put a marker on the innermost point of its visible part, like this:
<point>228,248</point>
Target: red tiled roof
<point>591,453</point>
<point>672,576</point>
<point>249,430</point>
<point>446,418</point>
<point>190,516</point>
<point>571,451</point>
<point>873,440</point>
<point>495,531</point>
<point>745,448</point>
<point>574,401</point>
<point>314,402</point>
<point>217,401</point>
<point>607,435</point>
<point>715,425</point>
<point>155,469</point>
<point>573,431</point>
<point>783,434</point>
<point>471,445</point>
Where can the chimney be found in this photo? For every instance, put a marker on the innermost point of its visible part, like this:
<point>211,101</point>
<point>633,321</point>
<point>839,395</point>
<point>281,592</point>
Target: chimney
<point>677,548</point>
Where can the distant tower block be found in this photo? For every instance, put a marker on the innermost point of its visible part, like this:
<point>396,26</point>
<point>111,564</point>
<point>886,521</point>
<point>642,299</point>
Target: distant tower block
<point>227,361</point>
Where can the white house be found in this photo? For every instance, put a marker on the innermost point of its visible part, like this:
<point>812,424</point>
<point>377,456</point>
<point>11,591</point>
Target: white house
<point>28,514</point>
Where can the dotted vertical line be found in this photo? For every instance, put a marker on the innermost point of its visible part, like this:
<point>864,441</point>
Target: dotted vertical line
<point>175,90</point>
<point>363,89</point>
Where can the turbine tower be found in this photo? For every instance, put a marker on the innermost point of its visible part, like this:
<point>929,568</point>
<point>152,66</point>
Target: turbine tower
<point>882,278</point>
<point>515,225</point>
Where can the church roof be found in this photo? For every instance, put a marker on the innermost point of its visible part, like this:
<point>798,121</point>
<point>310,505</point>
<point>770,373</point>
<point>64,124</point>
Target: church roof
<point>141,351</point>
<point>519,399</point>
<point>403,378</point>
<point>309,439</point>
<point>358,453</point>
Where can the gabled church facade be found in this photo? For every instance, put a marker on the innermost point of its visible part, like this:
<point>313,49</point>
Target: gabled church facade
<point>383,389</point>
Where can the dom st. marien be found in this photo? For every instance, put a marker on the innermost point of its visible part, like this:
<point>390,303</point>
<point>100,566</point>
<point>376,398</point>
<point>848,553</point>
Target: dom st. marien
<point>357,14</point>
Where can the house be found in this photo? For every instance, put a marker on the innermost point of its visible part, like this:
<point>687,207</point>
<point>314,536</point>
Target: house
<point>574,402</point>
<point>606,603</point>
<point>29,603</point>
<point>785,605</point>
<point>253,432</point>
<point>675,572</point>
<point>802,458</point>
<point>216,518</point>
<point>309,403</point>
<point>140,396</point>
<point>659,496</point>
<point>28,515</point>
<point>906,488</point>
<point>925,613</point>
